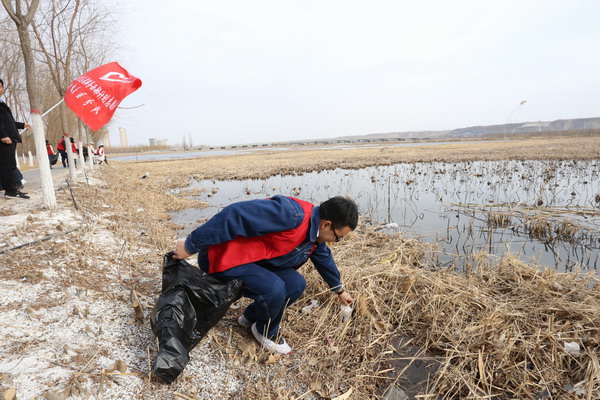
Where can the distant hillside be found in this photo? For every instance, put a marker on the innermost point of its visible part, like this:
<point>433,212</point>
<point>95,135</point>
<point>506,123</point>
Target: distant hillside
<point>579,124</point>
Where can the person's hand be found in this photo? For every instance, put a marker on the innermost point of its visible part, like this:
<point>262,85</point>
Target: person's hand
<point>6,140</point>
<point>180,252</point>
<point>345,298</point>
<point>27,126</point>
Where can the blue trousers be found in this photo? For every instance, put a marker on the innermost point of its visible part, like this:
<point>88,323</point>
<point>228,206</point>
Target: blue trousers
<point>273,289</point>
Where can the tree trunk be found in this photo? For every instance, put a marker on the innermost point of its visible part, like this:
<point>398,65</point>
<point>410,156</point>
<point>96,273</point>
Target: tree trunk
<point>84,135</point>
<point>39,136</point>
<point>81,158</point>
<point>68,146</point>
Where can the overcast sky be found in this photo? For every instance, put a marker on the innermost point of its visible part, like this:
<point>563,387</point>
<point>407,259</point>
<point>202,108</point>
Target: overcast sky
<point>242,71</point>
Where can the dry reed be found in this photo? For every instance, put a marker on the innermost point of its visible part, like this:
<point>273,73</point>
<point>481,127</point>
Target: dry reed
<point>496,331</point>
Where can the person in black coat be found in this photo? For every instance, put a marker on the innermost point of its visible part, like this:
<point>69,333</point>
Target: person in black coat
<point>9,137</point>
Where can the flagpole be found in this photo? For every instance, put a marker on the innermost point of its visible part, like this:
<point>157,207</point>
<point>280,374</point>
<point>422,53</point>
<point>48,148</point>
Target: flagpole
<point>53,107</point>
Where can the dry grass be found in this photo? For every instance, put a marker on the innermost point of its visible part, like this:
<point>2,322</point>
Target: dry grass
<point>136,149</point>
<point>498,330</point>
<point>499,219</point>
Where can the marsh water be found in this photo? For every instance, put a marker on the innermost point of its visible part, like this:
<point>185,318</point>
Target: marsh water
<point>546,212</point>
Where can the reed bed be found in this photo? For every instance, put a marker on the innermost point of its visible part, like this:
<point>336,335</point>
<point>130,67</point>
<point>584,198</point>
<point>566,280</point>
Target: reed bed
<point>299,160</point>
<point>499,329</point>
<point>546,224</point>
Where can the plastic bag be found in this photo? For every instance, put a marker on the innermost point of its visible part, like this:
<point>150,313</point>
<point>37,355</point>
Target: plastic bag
<point>191,303</point>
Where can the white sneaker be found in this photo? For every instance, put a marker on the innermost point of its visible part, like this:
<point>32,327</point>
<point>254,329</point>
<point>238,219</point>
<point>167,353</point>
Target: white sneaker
<point>268,344</point>
<point>243,321</point>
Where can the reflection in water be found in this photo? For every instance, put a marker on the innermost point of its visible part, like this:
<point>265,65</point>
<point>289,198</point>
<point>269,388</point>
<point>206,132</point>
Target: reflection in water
<point>547,212</point>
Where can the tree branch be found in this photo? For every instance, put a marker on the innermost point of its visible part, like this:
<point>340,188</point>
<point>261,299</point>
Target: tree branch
<point>32,9</point>
<point>11,12</point>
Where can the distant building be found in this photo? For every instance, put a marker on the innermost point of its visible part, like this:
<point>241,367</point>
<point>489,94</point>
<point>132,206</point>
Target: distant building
<point>123,137</point>
<point>158,142</point>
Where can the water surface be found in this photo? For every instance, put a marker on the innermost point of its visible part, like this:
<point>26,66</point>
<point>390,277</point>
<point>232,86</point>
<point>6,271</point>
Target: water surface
<point>544,211</point>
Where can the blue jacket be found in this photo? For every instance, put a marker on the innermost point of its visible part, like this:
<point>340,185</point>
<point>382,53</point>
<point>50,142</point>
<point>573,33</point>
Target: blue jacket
<point>258,217</point>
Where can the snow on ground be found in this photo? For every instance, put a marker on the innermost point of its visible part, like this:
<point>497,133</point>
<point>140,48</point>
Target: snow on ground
<point>66,313</point>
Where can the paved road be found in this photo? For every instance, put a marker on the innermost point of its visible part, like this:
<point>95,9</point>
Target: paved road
<point>33,182</point>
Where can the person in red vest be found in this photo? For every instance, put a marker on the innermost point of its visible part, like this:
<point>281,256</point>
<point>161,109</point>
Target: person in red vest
<point>74,150</point>
<point>63,152</point>
<point>49,149</point>
<point>263,243</point>
<point>51,156</point>
<point>100,155</point>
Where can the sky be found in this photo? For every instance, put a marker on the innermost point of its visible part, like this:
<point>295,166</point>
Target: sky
<point>234,72</point>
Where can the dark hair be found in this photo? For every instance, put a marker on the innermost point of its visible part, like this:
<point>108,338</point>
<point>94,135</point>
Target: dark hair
<point>341,211</point>
<point>2,82</point>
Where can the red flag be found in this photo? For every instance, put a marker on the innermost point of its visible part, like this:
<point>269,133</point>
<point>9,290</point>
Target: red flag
<point>95,95</point>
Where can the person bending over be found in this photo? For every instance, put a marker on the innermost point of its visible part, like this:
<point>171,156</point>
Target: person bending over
<point>263,243</point>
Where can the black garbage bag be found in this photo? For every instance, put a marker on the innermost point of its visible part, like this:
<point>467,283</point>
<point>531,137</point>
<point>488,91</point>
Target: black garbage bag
<point>191,303</point>
<point>53,158</point>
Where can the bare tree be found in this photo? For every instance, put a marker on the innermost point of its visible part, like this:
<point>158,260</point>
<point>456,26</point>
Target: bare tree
<point>56,32</point>
<point>13,73</point>
<point>22,19</point>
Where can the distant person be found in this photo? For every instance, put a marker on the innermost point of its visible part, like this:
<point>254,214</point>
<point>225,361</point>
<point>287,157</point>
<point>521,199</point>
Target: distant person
<point>49,148</point>
<point>263,243</point>
<point>62,150</point>
<point>9,137</point>
<point>100,156</point>
<point>74,150</point>
<point>19,180</point>
<point>52,157</point>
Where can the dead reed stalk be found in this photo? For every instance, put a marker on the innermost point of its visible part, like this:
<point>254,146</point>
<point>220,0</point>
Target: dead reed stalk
<point>500,330</point>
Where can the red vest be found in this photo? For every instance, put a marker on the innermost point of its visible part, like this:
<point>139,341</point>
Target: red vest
<point>244,250</point>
